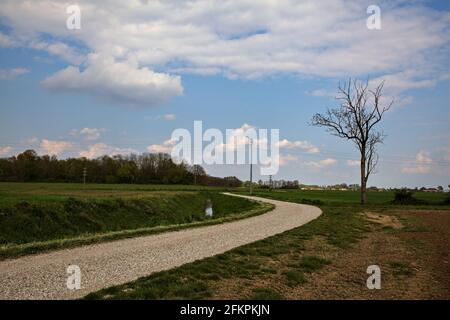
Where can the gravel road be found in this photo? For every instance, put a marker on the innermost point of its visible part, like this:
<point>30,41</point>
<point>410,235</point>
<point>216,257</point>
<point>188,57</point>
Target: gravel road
<point>44,276</point>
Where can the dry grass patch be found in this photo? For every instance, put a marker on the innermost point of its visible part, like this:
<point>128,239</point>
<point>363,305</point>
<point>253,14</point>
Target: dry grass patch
<point>388,221</point>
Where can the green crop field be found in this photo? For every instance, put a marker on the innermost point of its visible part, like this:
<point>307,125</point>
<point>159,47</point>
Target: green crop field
<point>336,197</point>
<point>11,192</point>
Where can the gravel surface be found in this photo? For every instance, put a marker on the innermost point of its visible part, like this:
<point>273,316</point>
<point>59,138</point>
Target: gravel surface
<point>44,276</point>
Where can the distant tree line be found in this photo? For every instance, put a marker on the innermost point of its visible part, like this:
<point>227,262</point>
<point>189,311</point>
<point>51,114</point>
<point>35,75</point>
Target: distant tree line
<point>149,168</point>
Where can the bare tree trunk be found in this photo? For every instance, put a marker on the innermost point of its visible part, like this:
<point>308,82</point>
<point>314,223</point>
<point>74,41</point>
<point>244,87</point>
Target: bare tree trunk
<point>363,178</point>
<point>364,192</point>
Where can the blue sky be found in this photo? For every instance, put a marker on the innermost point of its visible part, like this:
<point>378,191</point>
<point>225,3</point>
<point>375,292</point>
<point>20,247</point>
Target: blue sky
<point>135,72</point>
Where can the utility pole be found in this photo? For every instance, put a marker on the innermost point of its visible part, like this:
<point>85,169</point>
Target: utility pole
<point>270,183</point>
<point>84,175</point>
<point>251,163</point>
<point>195,171</point>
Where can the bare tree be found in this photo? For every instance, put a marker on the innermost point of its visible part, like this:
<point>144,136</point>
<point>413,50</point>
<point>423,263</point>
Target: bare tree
<point>355,119</point>
<point>197,171</point>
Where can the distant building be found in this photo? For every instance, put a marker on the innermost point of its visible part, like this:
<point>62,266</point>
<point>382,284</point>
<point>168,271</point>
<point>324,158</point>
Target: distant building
<point>281,184</point>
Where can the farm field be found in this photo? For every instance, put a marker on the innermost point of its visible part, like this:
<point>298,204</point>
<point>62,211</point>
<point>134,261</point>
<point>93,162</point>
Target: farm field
<point>407,241</point>
<point>336,197</point>
<point>11,192</point>
<point>325,259</point>
<point>35,216</point>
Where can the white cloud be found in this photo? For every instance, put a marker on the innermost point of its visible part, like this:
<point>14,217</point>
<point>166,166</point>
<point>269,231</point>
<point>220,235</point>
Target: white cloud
<point>5,151</point>
<point>246,39</point>
<point>286,159</point>
<point>418,169</point>
<point>323,93</point>
<point>302,144</point>
<point>32,140</point>
<point>88,133</point>
<point>238,139</point>
<point>92,133</point>
<point>165,147</point>
<point>239,134</point>
<point>6,41</point>
<point>422,165</point>
<point>118,82</point>
<point>353,163</point>
<point>61,50</point>
<point>405,80</point>
<point>169,116</point>
<point>101,149</point>
<point>328,162</point>
<point>316,165</point>
<point>54,147</point>
<point>6,74</point>
<point>396,86</point>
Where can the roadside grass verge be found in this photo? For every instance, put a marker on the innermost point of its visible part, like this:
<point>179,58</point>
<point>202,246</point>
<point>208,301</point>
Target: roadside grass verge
<point>38,229</point>
<point>280,258</point>
<point>24,222</point>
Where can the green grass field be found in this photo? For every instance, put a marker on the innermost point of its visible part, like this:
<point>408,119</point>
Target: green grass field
<point>42,216</point>
<point>267,268</point>
<point>38,216</point>
<point>11,192</point>
<point>335,197</point>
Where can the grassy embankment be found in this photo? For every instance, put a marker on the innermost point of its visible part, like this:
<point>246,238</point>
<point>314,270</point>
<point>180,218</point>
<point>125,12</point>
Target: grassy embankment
<point>327,258</point>
<point>39,217</point>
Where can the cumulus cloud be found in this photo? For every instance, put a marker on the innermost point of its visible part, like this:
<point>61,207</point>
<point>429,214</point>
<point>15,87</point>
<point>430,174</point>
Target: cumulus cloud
<point>165,147</point>
<point>422,165</point>
<point>118,82</point>
<point>92,133</point>
<point>102,149</point>
<point>353,163</point>
<point>61,50</point>
<point>396,86</point>
<point>5,151</point>
<point>54,147</point>
<point>246,39</point>
<point>285,159</point>
<point>301,144</point>
<point>6,41</point>
<point>238,139</point>
<point>6,74</point>
<point>88,133</point>
<point>405,80</point>
<point>316,165</point>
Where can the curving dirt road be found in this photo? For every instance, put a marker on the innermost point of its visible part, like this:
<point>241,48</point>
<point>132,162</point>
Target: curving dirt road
<point>44,276</point>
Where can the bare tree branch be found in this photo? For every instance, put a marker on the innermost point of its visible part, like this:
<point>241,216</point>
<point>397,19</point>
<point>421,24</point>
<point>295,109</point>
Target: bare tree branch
<point>355,120</point>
